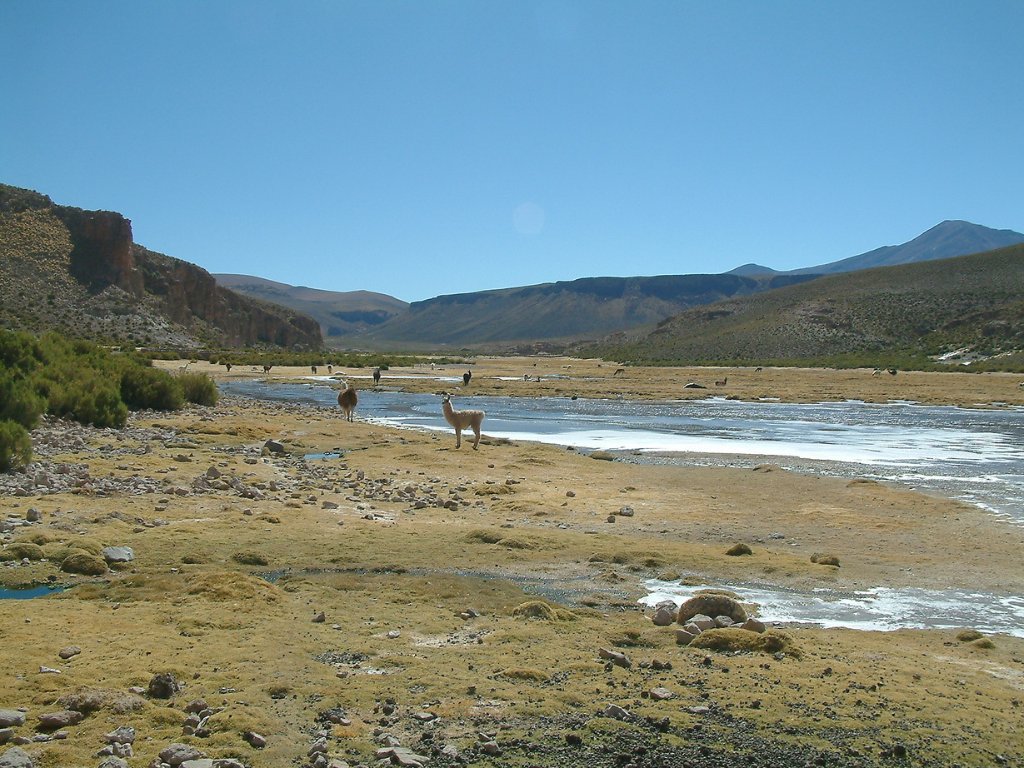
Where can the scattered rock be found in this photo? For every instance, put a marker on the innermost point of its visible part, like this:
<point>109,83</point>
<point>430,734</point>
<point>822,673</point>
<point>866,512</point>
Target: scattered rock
<point>118,554</point>
<point>176,754</point>
<point>69,652</point>
<point>51,721</point>
<point>15,757</point>
<point>616,658</point>
<point>163,686</point>
<point>11,717</point>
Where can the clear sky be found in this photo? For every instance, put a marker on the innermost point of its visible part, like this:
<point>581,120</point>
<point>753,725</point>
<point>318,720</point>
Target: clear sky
<point>424,147</point>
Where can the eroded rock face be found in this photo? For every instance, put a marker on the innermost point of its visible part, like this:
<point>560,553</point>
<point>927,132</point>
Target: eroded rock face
<point>102,253</point>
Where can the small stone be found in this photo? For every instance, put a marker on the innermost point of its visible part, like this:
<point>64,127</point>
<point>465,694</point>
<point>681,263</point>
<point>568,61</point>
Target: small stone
<point>255,740</point>
<point>16,758</point>
<point>69,652</point>
<point>320,618</point>
<point>685,636</point>
<point>51,721</point>
<point>118,554</point>
<point>616,658</point>
<point>176,754</point>
<point>123,735</point>
<point>10,717</point>
<point>661,694</point>
<point>616,712</point>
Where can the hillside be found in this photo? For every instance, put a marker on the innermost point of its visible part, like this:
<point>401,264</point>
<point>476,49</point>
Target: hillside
<point>81,273</point>
<point>563,310</point>
<point>943,241</point>
<point>933,307</point>
<point>340,313</point>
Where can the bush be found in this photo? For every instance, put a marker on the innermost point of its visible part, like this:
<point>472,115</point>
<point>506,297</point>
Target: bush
<point>19,402</point>
<point>198,388</point>
<point>144,387</point>
<point>21,550</point>
<point>15,446</point>
<point>88,399</point>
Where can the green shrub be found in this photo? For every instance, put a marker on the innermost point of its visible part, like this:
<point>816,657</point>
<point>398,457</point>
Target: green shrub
<point>19,550</point>
<point>84,563</point>
<point>198,388</point>
<point>15,446</point>
<point>249,558</point>
<point>88,399</point>
<point>19,402</point>
<point>144,387</point>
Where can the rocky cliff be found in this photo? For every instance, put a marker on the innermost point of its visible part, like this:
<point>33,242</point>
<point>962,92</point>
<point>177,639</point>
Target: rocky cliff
<point>81,272</point>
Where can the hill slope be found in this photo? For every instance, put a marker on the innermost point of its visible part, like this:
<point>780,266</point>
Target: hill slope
<point>80,272</point>
<point>563,310</point>
<point>931,307</point>
<point>340,313</point>
<point>943,241</point>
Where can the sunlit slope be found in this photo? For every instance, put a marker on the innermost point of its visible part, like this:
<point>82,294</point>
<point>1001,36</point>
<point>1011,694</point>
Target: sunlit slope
<point>927,308</point>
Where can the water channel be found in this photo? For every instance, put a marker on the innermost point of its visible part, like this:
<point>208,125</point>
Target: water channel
<point>975,455</point>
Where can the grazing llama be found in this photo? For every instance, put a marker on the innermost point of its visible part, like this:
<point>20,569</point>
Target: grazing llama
<point>347,399</point>
<point>722,382</point>
<point>376,376</point>
<point>466,378</point>
<point>461,420</point>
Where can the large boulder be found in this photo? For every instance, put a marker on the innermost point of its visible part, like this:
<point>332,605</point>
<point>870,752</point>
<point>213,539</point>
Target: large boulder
<point>713,605</point>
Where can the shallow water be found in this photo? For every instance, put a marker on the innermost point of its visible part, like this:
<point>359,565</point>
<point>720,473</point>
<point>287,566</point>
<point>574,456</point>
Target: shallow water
<point>27,593</point>
<point>880,608</point>
<point>974,455</point>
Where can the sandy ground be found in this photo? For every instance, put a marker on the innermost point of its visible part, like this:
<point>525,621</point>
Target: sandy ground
<point>421,603</point>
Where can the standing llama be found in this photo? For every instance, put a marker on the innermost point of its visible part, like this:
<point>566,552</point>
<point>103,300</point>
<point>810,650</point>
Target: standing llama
<point>461,420</point>
<point>347,399</point>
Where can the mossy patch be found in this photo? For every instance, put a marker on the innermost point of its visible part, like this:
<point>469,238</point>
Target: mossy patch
<point>250,558</point>
<point>87,700</point>
<point>83,563</point>
<point>969,635</point>
<point>485,536</point>
<point>234,587</point>
<point>21,550</point>
<point>524,674</point>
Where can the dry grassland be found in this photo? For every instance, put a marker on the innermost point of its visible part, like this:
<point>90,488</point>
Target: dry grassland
<point>424,612</point>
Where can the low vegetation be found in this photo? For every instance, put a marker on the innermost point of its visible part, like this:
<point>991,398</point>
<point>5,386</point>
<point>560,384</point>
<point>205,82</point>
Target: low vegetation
<point>81,381</point>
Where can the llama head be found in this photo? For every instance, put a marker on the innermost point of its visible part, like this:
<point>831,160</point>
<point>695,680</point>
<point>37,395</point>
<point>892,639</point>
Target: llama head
<point>445,397</point>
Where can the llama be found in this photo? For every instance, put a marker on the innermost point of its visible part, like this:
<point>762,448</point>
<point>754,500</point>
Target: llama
<point>466,378</point>
<point>266,368</point>
<point>461,420</point>
<point>347,399</point>
<point>722,382</point>
<point>376,376</point>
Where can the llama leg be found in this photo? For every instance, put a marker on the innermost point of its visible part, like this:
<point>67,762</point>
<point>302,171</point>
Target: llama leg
<point>458,437</point>
<point>476,431</point>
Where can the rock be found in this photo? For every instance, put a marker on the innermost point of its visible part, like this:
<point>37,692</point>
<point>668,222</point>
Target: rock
<point>616,658</point>
<point>660,694</point>
<point>723,621</point>
<point>202,762</point>
<point>273,446</point>
<point>753,625</point>
<point>51,721</point>
<point>15,757</point>
<point>9,717</point>
<point>701,623</point>
<point>254,739</point>
<point>685,636</point>
<point>118,554</point>
<point>664,614</point>
<point>228,762</point>
<point>176,754</point>
<point>69,652</point>
<point>711,605</point>
<point>33,515</point>
<point>6,734</point>
<point>626,512</point>
<point>114,762</point>
<point>616,712</point>
<point>163,686</point>
<point>196,706</point>
<point>320,618</point>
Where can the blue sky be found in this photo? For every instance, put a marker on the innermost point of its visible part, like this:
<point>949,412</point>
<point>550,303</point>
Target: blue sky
<point>421,148</point>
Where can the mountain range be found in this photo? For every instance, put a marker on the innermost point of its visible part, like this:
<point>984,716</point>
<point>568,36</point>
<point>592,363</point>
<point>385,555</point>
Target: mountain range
<point>552,315</point>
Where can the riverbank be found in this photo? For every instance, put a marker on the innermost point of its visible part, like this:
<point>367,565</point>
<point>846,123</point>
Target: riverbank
<point>565,377</point>
<point>366,585</point>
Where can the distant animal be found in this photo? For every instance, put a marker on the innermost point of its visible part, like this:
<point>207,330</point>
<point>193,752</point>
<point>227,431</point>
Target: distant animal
<point>462,420</point>
<point>722,382</point>
<point>313,369</point>
<point>330,368</point>
<point>758,369</point>
<point>228,366</point>
<point>892,371</point>
<point>877,372</point>
<point>693,385</point>
<point>618,371</point>
<point>466,377</point>
<point>348,399</point>
<point>376,376</point>
<point>266,368</point>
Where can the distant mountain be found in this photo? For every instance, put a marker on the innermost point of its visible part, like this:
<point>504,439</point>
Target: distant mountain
<point>81,273</point>
<point>931,307</point>
<point>340,314</point>
<point>753,270</point>
<point>943,241</point>
<point>589,307</point>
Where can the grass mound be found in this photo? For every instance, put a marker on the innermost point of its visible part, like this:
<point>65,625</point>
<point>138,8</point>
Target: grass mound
<point>87,700</point>
<point>538,609</point>
<point>83,563</point>
<point>223,587</point>
<point>736,640</point>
